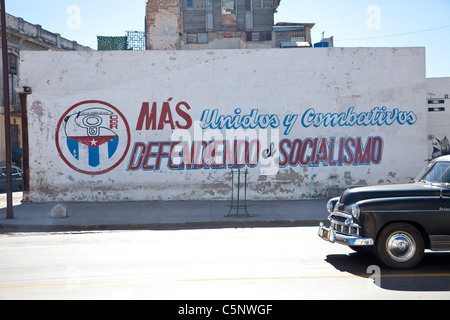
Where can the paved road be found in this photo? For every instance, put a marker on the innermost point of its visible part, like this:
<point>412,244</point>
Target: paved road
<point>259,263</point>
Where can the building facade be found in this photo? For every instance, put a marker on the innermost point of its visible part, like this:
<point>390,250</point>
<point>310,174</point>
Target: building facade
<point>293,35</point>
<point>210,24</point>
<point>23,35</point>
<point>438,107</point>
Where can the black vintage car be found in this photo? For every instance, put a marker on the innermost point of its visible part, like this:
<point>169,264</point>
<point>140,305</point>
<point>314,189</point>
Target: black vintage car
<point>17,177</point>
<point>397,221</point>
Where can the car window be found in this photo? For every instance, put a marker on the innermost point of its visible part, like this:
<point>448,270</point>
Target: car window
<point>439,173</point>
<point>422,173</point>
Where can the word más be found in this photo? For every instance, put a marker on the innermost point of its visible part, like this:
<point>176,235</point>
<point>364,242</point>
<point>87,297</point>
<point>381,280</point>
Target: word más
<point>312,152</point>
<point>378,116</point>
<point>157,120</point>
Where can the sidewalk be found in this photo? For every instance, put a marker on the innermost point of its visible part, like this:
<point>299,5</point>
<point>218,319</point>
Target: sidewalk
<point>155,215</point>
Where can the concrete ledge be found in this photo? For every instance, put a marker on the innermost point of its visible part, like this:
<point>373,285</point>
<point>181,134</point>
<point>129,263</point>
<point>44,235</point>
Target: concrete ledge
<point>160,215</point>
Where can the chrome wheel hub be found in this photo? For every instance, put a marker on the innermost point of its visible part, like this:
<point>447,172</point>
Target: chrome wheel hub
<point>401,246</point>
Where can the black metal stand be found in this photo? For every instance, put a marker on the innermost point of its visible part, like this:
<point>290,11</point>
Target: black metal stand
<point>239,203</point>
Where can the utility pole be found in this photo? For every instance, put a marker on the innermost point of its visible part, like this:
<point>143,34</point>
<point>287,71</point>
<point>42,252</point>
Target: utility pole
<point>9,202</point>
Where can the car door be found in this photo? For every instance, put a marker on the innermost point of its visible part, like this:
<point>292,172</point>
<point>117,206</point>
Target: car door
<point>444,209</point>
<point>441,224</point>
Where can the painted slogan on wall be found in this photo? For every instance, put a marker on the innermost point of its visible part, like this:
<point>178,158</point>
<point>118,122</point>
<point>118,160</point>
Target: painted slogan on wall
<point>94,137</point>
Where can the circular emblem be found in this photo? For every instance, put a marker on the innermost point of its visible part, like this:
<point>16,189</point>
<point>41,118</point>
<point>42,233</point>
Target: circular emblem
<point>92,137</point>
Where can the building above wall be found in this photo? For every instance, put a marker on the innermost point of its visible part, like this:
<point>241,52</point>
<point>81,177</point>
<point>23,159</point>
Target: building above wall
<point>276,3</point>
<point>27,36</point>
<point>221,24</point>
<point>293,35</point>
<point>210,24</point>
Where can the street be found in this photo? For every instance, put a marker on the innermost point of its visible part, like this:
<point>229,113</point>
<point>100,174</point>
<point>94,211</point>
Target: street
<point>259,263</point>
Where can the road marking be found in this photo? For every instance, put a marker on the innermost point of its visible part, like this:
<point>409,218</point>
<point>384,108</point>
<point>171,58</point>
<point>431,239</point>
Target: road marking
<point>106,283</point>
<point>322,277</point>
<point>71,286</point>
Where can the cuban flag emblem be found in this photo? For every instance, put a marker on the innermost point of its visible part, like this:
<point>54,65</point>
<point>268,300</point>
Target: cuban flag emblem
<point>92,137</point>
<point>93,143</point>
<point>89,137</point>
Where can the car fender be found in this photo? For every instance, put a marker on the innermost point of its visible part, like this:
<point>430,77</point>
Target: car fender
<point>375,214</point>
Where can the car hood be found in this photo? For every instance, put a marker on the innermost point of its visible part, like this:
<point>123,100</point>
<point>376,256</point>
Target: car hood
<point>354,195</point>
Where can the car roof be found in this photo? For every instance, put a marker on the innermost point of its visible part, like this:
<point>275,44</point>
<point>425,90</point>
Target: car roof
<point>443,158</point>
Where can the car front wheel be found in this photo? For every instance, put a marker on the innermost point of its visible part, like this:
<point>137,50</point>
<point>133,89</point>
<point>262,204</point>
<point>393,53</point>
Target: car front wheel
<point>400,246</point>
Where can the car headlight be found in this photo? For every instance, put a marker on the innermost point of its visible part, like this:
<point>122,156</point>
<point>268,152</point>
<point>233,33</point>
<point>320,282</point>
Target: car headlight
<point>356,211</point>
<point>330,206</point>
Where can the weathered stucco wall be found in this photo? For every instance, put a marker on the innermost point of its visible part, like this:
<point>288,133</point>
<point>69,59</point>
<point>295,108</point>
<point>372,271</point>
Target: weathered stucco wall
<point>163,23</point>
<point>438,94</point>
<point>170,125</point>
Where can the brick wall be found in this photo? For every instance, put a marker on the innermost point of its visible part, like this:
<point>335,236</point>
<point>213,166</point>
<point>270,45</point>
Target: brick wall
<point>163,25</point>
<point>229,35</point>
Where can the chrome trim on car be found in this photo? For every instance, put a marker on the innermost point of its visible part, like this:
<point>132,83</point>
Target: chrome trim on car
<point>343,230</point>
<point>344,223</point>
<point>408,210</point>
<point>329,234</point>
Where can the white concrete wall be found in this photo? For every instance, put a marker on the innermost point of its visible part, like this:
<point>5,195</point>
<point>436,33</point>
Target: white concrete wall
<point>438,96</point>
<point>276,100</point>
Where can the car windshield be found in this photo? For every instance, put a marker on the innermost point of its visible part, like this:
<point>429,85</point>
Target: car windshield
<point>436,172</point>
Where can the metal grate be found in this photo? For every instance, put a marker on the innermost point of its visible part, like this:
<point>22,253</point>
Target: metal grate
<point>135,40</point>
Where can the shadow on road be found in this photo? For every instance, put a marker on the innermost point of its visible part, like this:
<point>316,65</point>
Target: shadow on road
<point>433,274</point>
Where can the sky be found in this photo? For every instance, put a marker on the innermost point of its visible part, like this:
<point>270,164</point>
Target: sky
<point>352,23</point>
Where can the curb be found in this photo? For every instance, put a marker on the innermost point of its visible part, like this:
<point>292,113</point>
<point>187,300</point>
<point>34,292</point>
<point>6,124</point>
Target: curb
<point>5,227</point>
